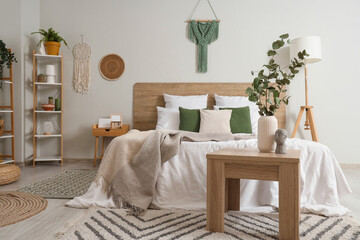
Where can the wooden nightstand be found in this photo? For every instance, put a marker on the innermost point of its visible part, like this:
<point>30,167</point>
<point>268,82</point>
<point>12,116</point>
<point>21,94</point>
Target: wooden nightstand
<point>106,132</point>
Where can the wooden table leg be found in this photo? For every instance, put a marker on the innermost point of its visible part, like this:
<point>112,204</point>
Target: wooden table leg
<point>102,147</point>
<point>96,145</point>
<point>312,126</point>
<point>232,194</point>
<point>297,122</point>
<point>215,196</point>
<point>289,201</point>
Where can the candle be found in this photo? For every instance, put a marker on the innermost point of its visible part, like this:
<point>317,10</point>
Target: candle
<point>57,104</point>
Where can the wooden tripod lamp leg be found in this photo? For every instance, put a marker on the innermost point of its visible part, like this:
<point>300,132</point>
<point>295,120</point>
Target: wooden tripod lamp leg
<point>312,126</point>
<point>297,122</point>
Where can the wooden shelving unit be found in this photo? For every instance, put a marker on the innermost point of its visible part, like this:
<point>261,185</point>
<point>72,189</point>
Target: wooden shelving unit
<point>9,134</point>
<point>37,111</point>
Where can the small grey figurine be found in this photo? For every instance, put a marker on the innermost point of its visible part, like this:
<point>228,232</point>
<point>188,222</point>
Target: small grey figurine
<point>280,139</point>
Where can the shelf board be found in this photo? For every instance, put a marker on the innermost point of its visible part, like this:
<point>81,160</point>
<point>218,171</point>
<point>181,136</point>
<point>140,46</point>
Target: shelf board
<point>47,56</point>
<point>6,161</point>
<point>6,111</point>
<point>6,136</point>
<point>5,81</point>
<point>43,111</point>
<point>47,84</point>
<point>48,158</point>
<point>47,136</point>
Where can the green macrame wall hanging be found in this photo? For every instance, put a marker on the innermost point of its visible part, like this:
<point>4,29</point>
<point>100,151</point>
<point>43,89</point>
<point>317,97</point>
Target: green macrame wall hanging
<point>202,33</point>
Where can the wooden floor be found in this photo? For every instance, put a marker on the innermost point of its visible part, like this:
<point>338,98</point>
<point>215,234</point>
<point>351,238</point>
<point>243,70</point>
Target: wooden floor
<point>56,217</point>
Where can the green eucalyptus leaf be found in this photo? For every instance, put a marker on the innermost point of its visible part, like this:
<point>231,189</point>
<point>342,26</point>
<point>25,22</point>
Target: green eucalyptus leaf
<point>271,53</point>
<point>301,55</point>
<point>284,36</point>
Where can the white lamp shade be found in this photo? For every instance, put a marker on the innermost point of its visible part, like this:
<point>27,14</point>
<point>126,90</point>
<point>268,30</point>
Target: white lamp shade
<point>311,44</point>
<point>50,70</point>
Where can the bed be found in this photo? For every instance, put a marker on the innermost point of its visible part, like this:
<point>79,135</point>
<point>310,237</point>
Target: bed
<point>181,182</point>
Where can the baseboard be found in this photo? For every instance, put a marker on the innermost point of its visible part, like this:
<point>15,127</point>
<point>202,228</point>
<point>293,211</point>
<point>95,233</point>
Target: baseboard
<point>30,162</point>
<point>350,165</point>
<point>78,160</point>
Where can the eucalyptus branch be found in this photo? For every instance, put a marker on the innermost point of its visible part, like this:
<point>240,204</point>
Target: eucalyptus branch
<point>274,93</point>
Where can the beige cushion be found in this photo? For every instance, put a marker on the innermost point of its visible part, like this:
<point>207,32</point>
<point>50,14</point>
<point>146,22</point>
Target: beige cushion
<point>213,121</point>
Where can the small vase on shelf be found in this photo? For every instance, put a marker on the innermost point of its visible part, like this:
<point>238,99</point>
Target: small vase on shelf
<point>50,73</point>
<point>267,125</point>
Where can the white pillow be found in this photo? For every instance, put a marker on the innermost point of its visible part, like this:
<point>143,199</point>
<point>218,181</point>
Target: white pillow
<point>239,101</point>
<point>234,101</point>
<point>189,102</point>
<point>168,118</point>
<point>213,121</point>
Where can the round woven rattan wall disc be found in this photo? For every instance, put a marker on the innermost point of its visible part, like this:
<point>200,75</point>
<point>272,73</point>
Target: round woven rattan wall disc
<point>111,67</point>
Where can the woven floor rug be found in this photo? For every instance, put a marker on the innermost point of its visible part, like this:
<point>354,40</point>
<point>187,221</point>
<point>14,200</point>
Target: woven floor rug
<point>17,206</point>
<point>111,224</point>
<point>67,185</point>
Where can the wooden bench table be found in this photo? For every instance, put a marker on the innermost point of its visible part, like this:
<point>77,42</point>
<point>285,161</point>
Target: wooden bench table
<point>226,167</point>
<point>106,132</point>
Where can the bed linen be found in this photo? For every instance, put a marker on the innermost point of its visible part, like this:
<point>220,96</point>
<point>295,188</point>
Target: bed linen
<point>181,182</point>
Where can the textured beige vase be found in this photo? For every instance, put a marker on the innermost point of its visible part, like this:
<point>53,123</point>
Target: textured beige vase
<point>267,125</point>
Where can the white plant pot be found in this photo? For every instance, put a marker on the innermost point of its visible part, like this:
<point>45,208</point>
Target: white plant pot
<point>267,125</point>
<point>50,78</point>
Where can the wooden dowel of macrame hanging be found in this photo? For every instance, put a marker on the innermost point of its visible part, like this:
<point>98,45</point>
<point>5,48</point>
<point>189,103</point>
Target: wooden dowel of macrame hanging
<point>202,21</point>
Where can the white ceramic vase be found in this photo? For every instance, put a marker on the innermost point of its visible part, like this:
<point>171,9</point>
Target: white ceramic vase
<point>267,125</point>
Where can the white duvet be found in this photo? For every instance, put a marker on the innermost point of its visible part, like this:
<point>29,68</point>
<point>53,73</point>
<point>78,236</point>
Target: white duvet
<point>182,181</point>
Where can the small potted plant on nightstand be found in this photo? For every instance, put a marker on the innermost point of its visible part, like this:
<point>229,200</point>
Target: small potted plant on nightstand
<point>52,41</point>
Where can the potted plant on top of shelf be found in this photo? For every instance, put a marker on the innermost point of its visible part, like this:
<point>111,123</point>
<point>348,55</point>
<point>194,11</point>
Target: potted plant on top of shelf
<point>268,96</point>
<point>52,41</point>
<point>6,59</point>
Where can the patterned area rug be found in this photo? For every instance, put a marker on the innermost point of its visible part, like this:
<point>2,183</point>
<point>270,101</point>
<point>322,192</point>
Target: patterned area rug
<point>108,224</point>
<point>67,185</point>
<point>17,206</point>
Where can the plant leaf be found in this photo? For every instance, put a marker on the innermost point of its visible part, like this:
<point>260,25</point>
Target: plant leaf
<point>284,36</point>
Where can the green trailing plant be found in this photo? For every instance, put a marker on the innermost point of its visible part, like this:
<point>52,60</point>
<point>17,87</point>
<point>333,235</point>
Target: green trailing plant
<point>268,97</point>
<point>6,59</point>
<point>49,35</point>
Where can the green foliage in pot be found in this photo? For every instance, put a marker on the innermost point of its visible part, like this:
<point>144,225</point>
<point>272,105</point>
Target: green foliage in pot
<point>6,59</point>
<point>262,92</point>
<point>49,35</point>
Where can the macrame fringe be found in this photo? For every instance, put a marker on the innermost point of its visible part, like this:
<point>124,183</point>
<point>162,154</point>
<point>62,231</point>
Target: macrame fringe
<point>81,75</point>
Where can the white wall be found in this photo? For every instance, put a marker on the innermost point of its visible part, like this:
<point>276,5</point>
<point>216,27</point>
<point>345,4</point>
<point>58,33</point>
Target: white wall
<point>151,38</point>
<point>10,33</point>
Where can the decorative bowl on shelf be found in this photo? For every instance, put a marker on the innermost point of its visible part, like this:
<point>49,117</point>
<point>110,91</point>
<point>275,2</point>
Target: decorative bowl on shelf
<point>48,107</point>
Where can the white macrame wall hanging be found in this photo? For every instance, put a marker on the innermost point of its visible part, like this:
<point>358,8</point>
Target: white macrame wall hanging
<point>81,53</point>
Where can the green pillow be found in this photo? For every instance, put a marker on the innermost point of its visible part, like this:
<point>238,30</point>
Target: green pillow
<point>240,121</point>
<point>189,119</point>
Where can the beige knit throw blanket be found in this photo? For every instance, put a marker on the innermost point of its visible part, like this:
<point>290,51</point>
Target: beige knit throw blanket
<point>132,162</point>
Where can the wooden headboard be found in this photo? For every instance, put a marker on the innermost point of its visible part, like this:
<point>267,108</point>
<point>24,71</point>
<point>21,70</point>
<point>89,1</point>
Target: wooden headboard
<point>149,95</point>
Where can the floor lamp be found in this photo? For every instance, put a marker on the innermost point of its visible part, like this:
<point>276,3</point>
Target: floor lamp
<point>312,45</point>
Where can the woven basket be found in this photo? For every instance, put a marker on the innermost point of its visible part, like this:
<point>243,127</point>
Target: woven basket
<point>9,174</point>
<point>1,127</point>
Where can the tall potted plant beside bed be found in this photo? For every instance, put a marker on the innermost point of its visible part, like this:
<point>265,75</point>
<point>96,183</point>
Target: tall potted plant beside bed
<point>268,97</point>
<point>52,41</point>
